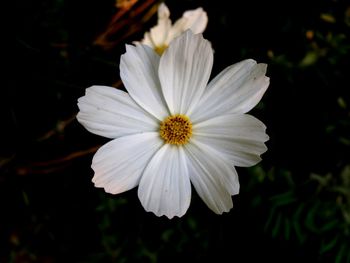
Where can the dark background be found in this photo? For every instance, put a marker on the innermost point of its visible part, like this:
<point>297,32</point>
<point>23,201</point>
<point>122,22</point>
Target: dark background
<point>294,205</point>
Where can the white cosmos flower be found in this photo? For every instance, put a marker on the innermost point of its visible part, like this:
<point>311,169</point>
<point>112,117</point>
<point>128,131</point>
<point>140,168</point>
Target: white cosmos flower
<point>172,128</point>
<point>164,32</point>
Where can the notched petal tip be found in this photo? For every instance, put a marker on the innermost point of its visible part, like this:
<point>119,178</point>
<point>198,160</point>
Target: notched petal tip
<point>91,88</point>
<point>223,211</point>
<point>196,20</point>
<point>96,180</point>
<point>267,79</point>
<point>99,90</point>
<point>165,187</point>
<point>169,216</point>
<point>160,212</point>
<point>79,115</point>
<point>262,67</point>
<point>248,61</point>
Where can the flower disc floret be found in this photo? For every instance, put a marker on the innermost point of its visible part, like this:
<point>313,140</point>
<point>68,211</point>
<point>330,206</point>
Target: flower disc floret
<point>176,129</point>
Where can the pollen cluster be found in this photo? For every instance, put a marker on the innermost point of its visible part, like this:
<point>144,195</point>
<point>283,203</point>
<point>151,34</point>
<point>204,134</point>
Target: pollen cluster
<point>176,129</point>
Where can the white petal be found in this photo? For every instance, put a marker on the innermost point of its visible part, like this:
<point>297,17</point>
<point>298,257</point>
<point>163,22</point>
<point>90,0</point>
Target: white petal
<point>119,164</point>
<point>196,20</point>
<point>139,73</point>
<point>240,137</point>
<point>159,33</point>
<point>237,89</point>
<point>146,41</point>
<point>184,71</point>
<point>165,187</point>
<point>214,179</point>
<point>112,113</point>
<point>163,11</point>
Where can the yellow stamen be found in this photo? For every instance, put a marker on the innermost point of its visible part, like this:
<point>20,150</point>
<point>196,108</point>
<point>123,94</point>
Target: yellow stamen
<point>160,49</point>
<point>176,129</point>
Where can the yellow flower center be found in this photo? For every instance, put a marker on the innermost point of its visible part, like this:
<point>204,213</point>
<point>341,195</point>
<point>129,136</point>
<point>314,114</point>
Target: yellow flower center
<point>176,129</point>
<point>160,49</point>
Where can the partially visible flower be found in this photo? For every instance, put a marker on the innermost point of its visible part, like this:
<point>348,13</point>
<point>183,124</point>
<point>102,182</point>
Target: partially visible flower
<point>161,35</point>
<point>172,128</point>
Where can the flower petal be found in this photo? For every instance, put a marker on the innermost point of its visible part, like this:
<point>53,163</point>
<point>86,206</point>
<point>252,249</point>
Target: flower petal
<point>111,113</point>
<point>184,71</point>
<point>240,137</point>
<point>214,179</point>
<point>146,41</point>
<point>165,187</point>
<point>163,11</point>
<point>196,20</point>
<point>119,164</point>
<point>139,73</point>
<point>159,33</point>
<point>237,89</point>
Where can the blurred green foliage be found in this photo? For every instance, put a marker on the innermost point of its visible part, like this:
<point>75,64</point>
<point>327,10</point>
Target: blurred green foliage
<point>295,205</point>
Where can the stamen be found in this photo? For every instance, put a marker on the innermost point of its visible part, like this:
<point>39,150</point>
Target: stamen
<point>160,49</point>
<point>176,129</point>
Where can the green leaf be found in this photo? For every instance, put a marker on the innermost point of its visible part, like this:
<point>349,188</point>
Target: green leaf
<point>340,254</point>
<point>287,229</point>
<point>323,180</point>
<point>341,103</point>
<point>326,246</point>
<point>310,217</point>
<point>329,18</point>
<point>296,216</point>
<point>344,141</point>
<point>341,190</point>
<point>301,237</point>
<point>310,58</point>
<point>348,258</point>
<point>270,219</point>
<point>25,198</point>
<point>276,228</point>
<point>283,199</point>
<point>167,234</point>
<point>345,175</point>
<point>330,225</point>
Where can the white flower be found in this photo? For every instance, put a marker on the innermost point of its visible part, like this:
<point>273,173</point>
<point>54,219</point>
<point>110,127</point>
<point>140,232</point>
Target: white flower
<point>164,32</point>
<point>171,128</point>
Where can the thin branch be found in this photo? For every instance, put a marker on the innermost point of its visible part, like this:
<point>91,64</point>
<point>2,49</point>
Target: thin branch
<point>54,165</point>
<point>116,24</point>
